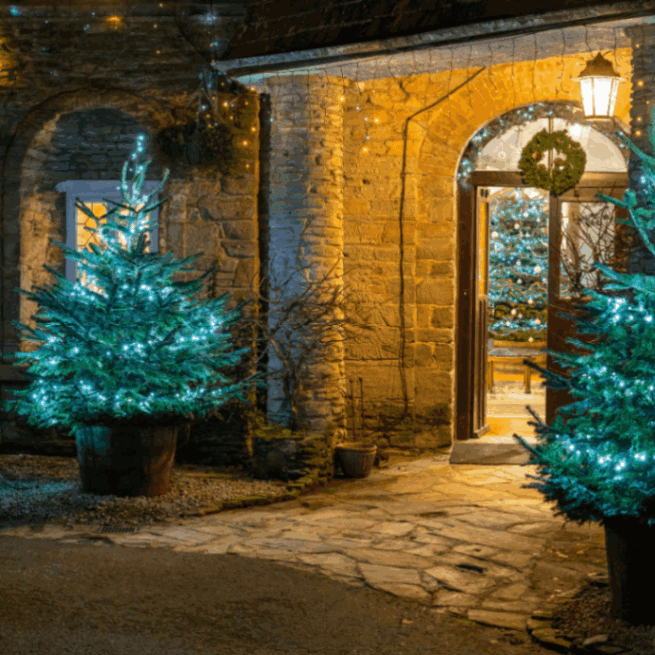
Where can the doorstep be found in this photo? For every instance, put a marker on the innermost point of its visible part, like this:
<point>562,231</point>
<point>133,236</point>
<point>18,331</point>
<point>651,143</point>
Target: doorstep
<point>491,450</point>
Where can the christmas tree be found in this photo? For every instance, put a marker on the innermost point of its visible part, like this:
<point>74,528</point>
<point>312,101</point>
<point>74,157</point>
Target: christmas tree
<point>596,459</point>
<point>518,267</point>
<point>124,343</point>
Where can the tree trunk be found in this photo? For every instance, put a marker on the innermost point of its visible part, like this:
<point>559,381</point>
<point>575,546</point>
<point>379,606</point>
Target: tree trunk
<point>126,461</point>
<point>631,569</point>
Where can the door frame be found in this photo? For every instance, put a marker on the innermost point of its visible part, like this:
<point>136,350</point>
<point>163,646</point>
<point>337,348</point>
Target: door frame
<point>467,275</point>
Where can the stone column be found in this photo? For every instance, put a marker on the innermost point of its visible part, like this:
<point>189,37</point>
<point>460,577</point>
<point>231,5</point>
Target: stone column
<point>305,244</point>
<point>642,101</point>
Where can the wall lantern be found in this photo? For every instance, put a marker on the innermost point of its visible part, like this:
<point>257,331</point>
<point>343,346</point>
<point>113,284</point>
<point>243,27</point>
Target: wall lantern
<point>599,84</point>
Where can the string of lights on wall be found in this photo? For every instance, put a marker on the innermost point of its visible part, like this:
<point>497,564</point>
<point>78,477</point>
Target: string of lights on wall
<point>368,121</point>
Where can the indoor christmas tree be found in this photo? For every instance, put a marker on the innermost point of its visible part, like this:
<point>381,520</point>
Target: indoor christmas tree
<point>128,348</point>
<point>518,267</point>
<point>597,459</point>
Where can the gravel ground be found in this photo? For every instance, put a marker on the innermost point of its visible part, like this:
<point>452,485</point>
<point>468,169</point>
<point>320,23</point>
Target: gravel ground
<point>36,489</point>
<point>588,614</point>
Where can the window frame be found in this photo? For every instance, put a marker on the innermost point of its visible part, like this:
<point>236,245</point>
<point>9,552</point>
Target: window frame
<point>90,191</point>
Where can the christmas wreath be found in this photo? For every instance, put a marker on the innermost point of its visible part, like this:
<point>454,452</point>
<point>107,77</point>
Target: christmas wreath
<point>566,171</point>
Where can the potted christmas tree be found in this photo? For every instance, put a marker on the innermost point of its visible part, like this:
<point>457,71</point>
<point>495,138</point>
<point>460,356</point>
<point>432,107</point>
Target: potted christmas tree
<point>597,458</point>
<point>126,358</point>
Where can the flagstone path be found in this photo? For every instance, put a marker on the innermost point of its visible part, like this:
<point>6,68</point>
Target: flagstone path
<point>466,540</point>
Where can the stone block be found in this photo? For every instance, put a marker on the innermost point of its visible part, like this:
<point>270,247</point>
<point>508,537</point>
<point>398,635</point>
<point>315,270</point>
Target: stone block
<point>424,354</point>
<point>201,237</point>
<point>443,356</point>
<point>433,384</point>
<point>435,292</point>
<point>442,317</point>
<point>175,239</point>
<point>434,335</point>
<point>436,249</point>
<point>245,185</point>
<point>244,274</point>
<point>351,206</point>
<point>381,379</point>
<point>239,249</point>
<point>435,229</point>
<point>444,268</point>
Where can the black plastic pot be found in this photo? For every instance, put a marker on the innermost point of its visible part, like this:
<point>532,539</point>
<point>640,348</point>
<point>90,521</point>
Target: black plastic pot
<point>630,547</point>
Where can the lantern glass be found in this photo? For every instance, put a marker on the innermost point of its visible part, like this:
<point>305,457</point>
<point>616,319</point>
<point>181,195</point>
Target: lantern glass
<point>599,95</point>
<point>599,86</point>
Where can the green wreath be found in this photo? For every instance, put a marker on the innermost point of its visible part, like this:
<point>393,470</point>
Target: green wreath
<point>566,171</point>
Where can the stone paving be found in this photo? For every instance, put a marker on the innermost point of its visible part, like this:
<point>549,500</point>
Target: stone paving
<point>460,539</point>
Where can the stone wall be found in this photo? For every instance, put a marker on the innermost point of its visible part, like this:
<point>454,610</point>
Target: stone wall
<point>75,113</point>
<point>305,242</point>
<point>408,360</point>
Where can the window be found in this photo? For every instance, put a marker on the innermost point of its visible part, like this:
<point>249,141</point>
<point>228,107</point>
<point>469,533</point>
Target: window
<point>504,152</point>
<point>79,225</point>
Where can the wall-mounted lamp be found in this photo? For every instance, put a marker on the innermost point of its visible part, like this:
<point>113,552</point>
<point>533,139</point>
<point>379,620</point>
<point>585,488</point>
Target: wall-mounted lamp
<point>599,84</point>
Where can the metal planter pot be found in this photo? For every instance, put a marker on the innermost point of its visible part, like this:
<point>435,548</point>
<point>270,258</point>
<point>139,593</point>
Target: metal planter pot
<point>126,460</point>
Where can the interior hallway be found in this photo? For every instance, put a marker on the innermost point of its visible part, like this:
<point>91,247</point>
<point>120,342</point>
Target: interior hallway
<point>506,405</point>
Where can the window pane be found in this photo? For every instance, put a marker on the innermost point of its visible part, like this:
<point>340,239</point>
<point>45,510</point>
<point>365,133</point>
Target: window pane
<point>84,235</point>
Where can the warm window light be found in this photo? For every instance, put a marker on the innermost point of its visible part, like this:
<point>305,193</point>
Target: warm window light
<point>575,131</point>
<point>599,84</point>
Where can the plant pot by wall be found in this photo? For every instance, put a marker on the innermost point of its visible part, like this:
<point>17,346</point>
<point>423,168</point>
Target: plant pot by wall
<point>356,458</point>
<point>631,569</point>
<point>126,461</point>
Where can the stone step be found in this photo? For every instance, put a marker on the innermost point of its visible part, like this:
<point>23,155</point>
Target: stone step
<point>491,450</point>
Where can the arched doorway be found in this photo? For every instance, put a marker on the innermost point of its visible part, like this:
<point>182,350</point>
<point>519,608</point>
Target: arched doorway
<point>486,419</point>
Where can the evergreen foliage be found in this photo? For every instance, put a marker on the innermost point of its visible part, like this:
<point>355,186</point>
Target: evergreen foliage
<point>130,346</point>
<point>597,459</point>
<point>518,266</point>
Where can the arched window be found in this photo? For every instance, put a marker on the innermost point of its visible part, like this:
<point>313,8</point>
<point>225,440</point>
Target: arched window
<point>504,151</point>
<point>79,225</point>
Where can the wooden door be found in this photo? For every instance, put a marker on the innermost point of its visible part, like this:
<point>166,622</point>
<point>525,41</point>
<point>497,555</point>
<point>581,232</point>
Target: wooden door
<point>467,318</point>
<point>570,218</point>
<point>480,425</point>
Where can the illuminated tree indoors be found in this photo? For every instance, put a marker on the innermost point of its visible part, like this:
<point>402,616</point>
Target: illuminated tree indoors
<point>126,343</point>
<point>518,266</point>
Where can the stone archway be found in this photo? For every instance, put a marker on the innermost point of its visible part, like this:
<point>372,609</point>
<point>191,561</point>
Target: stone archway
<point>30,213</point>
<point>449,131</point>
<point>470,363</point>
